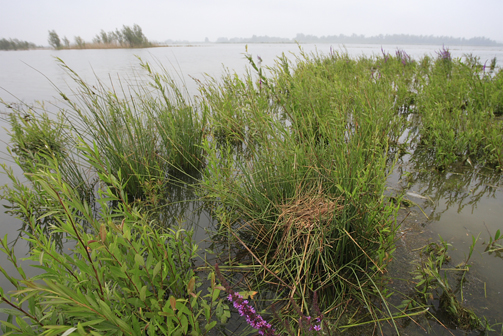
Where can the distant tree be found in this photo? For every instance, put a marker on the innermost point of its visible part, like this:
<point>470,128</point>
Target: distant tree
<point>15,44</point>
<point>79,41</point>
<point>105,38</point>
<point>118,37</point>
<point>66,42</point>
<point>134,36</point>
<point>54,40</point>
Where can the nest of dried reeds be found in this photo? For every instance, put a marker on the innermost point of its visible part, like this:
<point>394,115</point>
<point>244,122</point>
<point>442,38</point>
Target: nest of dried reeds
<point>305,217</point>
<point>308,212</point>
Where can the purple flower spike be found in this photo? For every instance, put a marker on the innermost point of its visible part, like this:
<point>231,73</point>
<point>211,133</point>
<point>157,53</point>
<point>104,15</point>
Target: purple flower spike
<point>385,55</point>
<point>245,309</point>
<point>444,53</point>
<point>403,57</point>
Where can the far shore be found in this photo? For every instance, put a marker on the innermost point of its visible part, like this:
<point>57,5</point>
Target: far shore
<point>202,44</point>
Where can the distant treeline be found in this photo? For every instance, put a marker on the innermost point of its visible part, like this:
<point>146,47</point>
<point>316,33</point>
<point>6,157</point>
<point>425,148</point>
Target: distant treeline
<point>362,39</point>
<point>255,39</point>
<point>15,44</point>
<point>127,37</point>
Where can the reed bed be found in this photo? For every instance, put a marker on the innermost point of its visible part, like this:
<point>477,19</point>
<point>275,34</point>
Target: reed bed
<point>292,160</point>
<point>307,201</point>
<point>145,130</point>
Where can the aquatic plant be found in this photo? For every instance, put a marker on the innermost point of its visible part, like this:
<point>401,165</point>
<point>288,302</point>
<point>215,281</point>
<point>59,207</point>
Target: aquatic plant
<point>36,137</point>
<point>142,134</point>
<point>306,324</point>
<point>444,54</point>
<point>432,283</point>
<point>309,189</point>
<point>493,245</point>
<point>457,122</point>
<point>403,57</point>
<point>33,136</point>
<point>123,275</point>
<point>292,160</point>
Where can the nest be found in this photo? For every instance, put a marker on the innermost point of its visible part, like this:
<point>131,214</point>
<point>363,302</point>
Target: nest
<point>303,219</point>
<point>307,212</point>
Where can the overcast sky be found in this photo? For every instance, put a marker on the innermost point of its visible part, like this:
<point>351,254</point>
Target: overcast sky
<point>195,20</point>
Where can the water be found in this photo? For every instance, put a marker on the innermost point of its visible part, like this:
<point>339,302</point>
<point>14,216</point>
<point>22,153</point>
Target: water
<point>455,204</point>
<point>27,75</point>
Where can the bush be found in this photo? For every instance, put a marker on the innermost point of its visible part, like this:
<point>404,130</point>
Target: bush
<point>122,275</point>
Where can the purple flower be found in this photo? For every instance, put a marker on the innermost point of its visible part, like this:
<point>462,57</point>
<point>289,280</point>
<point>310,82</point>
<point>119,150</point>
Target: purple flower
<point>316,327</point>
<point>385,55</point>
<point>403,57</point>
<point>245,309</point>
<point>444,53</point>
<point>259,60</point>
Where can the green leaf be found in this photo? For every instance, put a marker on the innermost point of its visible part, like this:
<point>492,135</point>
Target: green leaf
<point>208,327</point>
<point>139,260</point>
<point>157,268</point>
<point>143,293</point>
<point>216,293</point>
<point>10,325</point>
<point>185,323</point>
<point>10,311</point>
<point>178,332</point>
<point>69,331</point>
<point>41,258</point>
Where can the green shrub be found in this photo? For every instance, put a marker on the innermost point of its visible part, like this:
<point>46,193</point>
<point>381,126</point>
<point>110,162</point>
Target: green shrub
<point>123,275</point>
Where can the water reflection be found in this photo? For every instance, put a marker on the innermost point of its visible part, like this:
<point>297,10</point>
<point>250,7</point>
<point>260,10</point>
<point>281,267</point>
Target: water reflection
<point>461,203</point>
<point>460,186</point>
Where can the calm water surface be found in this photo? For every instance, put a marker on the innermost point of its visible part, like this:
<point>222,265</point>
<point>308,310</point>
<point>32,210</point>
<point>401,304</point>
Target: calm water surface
<point>456,204</point>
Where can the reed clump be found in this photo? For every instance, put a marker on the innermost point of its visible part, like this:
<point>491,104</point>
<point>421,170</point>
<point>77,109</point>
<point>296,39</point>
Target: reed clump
<point>307,201</point>
<point>144,133</point>
<point>458,108</point>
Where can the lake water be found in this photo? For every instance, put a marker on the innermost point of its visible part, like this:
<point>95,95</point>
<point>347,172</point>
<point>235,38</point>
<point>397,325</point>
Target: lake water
<point>457,204</point>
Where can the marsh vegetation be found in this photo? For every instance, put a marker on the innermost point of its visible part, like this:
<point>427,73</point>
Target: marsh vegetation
<point>15,44</point>
<point>127,37</point>
<point>291,161</point>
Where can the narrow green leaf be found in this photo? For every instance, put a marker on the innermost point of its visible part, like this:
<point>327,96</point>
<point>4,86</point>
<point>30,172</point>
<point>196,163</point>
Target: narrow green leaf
<point>143,293</point>
<point>139,260</point>
<point>209,326</point>
<point>157,269</point>
<point>69,331</point>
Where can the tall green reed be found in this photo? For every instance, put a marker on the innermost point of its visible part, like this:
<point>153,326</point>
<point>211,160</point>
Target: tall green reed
<point>307,202</point>
<point>142,131</point>
<point>457,109</point>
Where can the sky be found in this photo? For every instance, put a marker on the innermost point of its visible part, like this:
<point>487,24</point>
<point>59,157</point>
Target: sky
<point>195,20</point>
